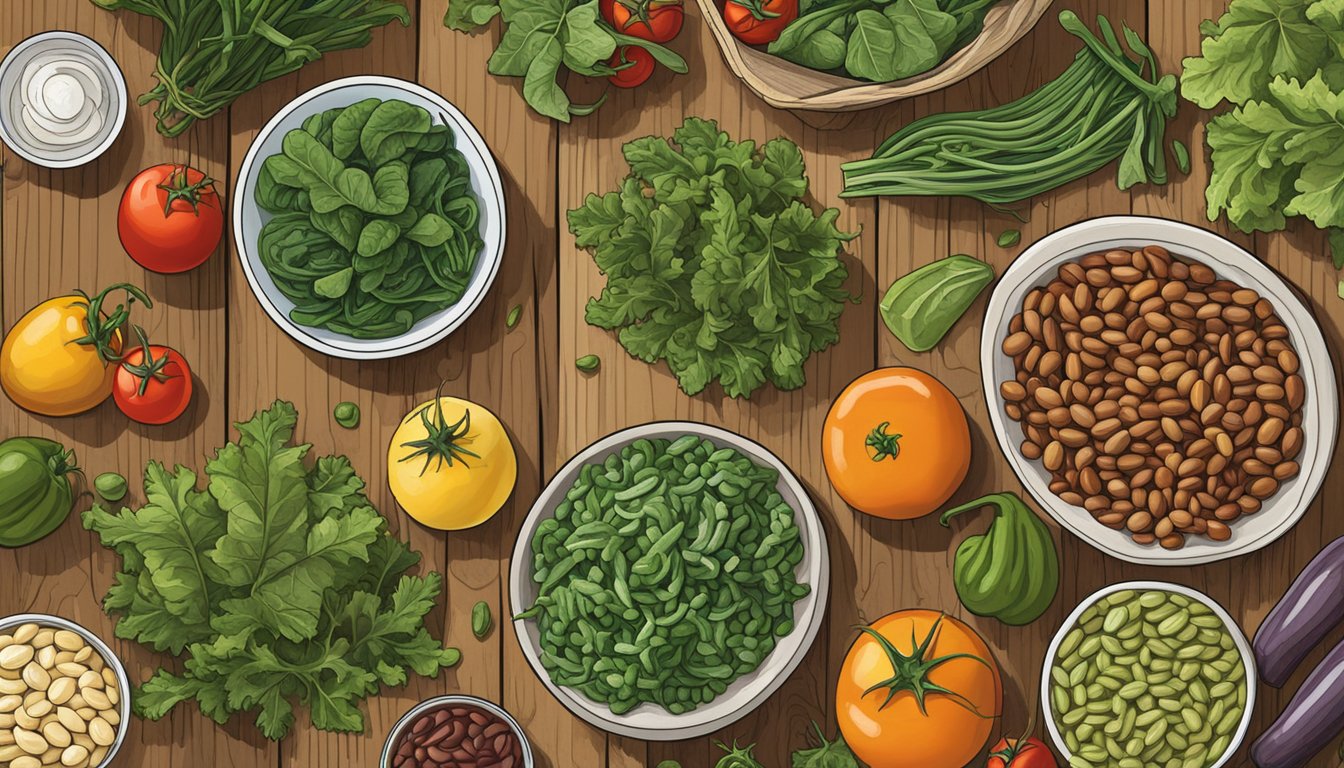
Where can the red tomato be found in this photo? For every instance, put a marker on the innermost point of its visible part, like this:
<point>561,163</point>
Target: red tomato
<point>758,22</point>
<point>638,70</point>
<point>152,383</point>
<point>1021,753</point>
<point>652,20</point>
<point>170,219</point>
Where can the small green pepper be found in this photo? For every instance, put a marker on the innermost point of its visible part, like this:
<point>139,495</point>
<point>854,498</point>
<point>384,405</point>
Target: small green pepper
<point>346,414</point>
<point>1010,572</point>
<point>481,620</point>
<point>111,486</point>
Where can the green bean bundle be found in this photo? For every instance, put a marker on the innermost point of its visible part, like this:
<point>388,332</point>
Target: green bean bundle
<point>666,573</point>
<point>1104,106</point>
<point>376,224</point>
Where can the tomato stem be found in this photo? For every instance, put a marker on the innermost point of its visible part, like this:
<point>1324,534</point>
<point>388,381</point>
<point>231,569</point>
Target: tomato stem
<point>149,367</point>
<point>910,672</point>
<point>757,8</point>
<point>442,440</point>
<point>102,329</point>
<point>640,10</point>
<point>179,187</point>
<point>884,445</point>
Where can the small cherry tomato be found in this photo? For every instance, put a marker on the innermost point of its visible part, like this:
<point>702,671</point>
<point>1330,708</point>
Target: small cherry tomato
<point>1021,753</point>
<point>636,66</point>
<point>152,384</point>
<point>758,22</point>
<point>657,21</point>
<point>170,218</point>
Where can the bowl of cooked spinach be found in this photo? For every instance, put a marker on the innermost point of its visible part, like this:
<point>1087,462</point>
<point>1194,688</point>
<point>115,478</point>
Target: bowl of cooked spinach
<point>668,580</point>
<point>369,218</point>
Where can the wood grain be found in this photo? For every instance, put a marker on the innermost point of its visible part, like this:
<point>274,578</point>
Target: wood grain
<point>57,232</point>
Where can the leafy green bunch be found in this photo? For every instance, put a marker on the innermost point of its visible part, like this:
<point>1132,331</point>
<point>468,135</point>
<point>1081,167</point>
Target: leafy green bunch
<point>1280,151</point>
<point>713,262</point>
<point>542,38</point>
<point>213,52</point>
<point>880,40</point>
<point>279,580</point>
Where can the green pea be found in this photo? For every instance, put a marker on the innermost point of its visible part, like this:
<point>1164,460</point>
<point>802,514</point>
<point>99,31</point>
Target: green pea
<point>111,486</point>
<point>588,363</point>
<point>346,414</point>
<point>481,620</point>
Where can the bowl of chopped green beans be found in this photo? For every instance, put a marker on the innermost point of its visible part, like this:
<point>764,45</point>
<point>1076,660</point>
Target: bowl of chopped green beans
<point>1148,673</point>
<point>668,580</point>
<point>369,218</point>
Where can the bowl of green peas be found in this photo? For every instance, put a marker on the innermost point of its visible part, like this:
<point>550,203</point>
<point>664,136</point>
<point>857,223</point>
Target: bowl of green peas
<point>1148,673</point>
<point>668,580</point>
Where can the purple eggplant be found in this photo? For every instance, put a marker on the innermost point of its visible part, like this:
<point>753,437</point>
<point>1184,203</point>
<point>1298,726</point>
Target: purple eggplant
<point>1306,613</point>
<point>1312,719</point>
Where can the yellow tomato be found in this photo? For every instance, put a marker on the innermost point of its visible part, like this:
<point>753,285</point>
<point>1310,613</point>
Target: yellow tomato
<point>451,464</point>
<point>56,360</point>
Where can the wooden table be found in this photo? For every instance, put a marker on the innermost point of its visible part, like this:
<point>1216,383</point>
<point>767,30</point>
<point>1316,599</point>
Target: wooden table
<point>59,233</point>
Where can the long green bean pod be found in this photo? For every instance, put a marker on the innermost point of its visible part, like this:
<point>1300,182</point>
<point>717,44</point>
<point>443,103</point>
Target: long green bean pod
<point>1108,104</point>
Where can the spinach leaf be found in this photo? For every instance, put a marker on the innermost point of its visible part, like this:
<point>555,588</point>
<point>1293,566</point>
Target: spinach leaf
<point>378,236</point>
<point>335,285</point>
<point>393,128</point>
<point>346,128</point>
<point>924,33</point>
<point>872,48</point>
<point>308,165</point>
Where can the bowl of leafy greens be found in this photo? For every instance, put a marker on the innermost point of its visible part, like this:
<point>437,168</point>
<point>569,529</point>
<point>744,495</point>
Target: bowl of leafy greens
<point>369,218</point>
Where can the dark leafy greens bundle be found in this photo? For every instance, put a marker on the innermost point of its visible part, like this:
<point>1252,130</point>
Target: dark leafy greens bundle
<point>1277,154</point>
<point>279,580</point>
<point>213,51</point>
<point>376,224</point>
<point>713,262</point>
<point>542,38</point>
<point>880,40</point>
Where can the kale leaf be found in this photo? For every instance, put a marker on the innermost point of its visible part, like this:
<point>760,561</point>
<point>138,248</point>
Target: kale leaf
<point>280,581</point>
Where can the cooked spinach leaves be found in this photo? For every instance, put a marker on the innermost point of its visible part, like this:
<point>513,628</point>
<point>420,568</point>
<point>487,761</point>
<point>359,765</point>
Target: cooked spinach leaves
<point>375,223</point>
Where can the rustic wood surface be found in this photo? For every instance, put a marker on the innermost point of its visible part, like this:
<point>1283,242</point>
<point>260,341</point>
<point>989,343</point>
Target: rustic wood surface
<point>58,232</point>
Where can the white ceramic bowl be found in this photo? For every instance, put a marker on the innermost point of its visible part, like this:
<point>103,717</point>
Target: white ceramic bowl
<point>1238,638</point>
<point>1320,414</point>
<point>91,53</point>
<point>385,761</point>
<point>9,623</point>
<point>248,218</point>
<point>649,721</point>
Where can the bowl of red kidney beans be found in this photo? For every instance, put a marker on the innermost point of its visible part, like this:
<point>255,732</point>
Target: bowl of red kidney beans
<point>457,732</point>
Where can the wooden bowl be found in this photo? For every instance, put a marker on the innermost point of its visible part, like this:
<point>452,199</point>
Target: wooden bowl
<point>786,85</point>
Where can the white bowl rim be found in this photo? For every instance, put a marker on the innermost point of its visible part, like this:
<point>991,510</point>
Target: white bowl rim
<point>1233,629</point>
<point>1190,242</point>
<point>450,699</point>
<point>109,657</point>
<point>118,81</point>
<point>458,313</point>
<point>695,723</point>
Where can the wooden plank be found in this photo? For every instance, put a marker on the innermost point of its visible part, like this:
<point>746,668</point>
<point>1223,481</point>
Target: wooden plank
<point>625,392</point>
<point>1302,257</point>
<point>265,364</point>
<point>504,369</point>
<point>909,565</point>
<point>59,233</point>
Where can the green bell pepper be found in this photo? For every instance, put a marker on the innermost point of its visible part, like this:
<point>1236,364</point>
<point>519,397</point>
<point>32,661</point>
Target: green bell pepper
<point>1010,572</point>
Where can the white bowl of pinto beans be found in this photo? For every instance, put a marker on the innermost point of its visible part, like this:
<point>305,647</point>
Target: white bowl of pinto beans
<point>1161,393</point>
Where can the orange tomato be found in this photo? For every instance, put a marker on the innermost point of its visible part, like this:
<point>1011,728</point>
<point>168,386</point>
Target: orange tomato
<point>896,444</point>
<point>918,689</point>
